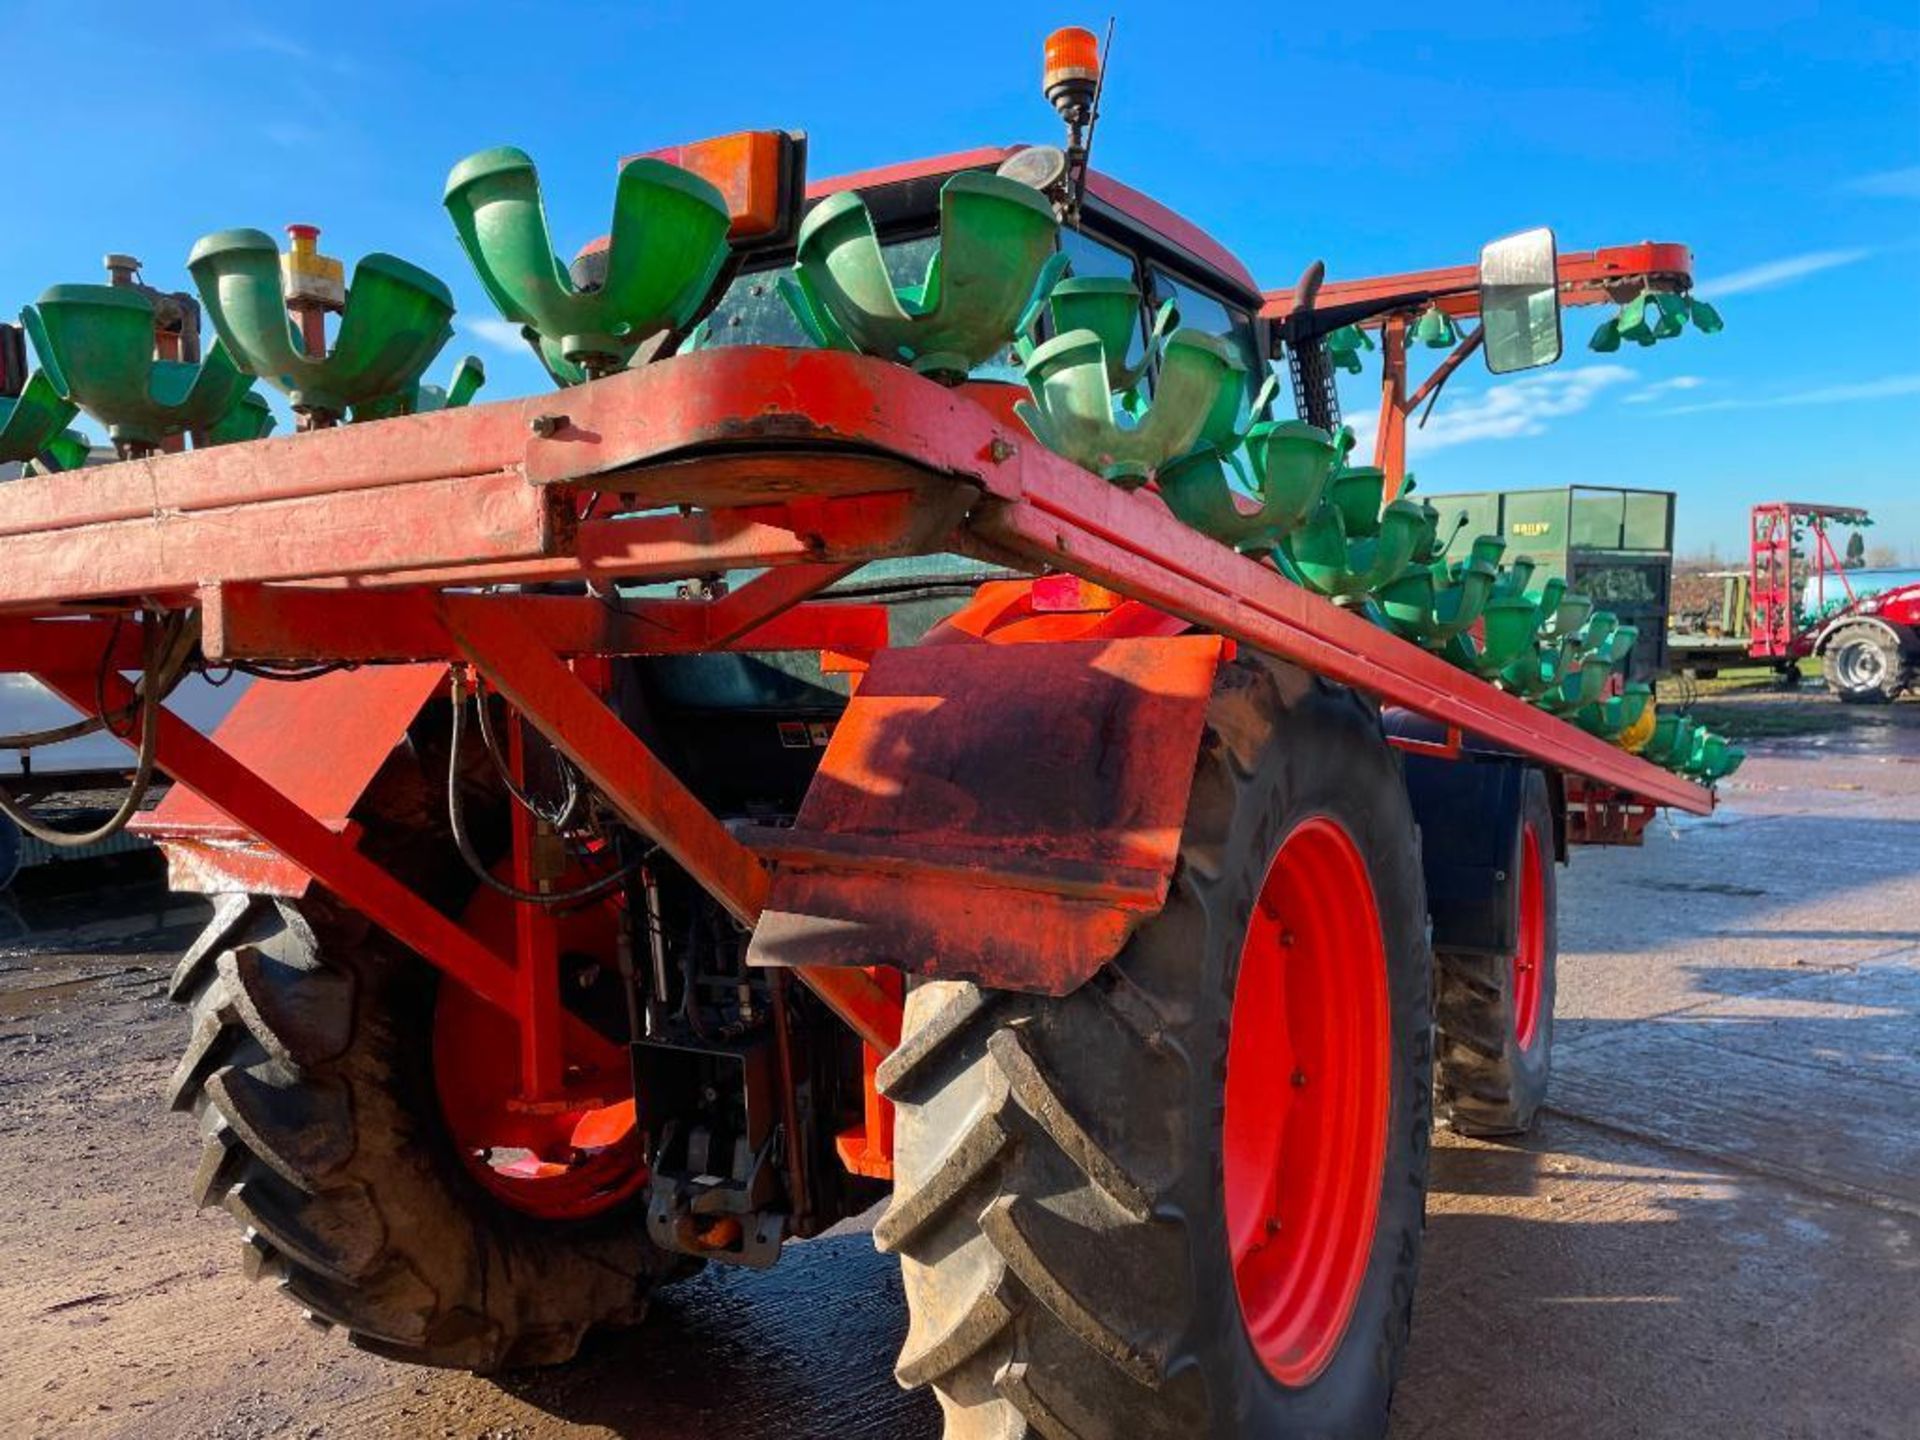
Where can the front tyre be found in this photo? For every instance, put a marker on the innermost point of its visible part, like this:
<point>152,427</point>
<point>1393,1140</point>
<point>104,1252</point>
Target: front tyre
<point>1187,1199</point>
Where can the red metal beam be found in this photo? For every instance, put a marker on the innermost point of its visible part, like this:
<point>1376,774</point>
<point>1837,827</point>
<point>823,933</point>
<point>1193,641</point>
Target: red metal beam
<point>515,658</point>
<point>649,797</point>
<point>725,620</point>
<point>475,518</point>
<point>1127,542</point>
<point>1040,508</point>
<point>1586,278</point>
<point>30,645</point>
<point>291,622</point>
<point>230,787</point>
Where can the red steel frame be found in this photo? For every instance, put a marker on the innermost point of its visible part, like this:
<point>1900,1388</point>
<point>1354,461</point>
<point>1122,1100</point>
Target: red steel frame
<point>1774,582</point>
<point>1612,274</point>
<point>367,543</point>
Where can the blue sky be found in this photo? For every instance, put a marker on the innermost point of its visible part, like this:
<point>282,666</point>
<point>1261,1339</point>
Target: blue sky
<point>1780,140</point>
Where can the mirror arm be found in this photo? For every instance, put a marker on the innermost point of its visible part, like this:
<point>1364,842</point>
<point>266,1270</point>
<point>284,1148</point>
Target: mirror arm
<point>1429,390</point>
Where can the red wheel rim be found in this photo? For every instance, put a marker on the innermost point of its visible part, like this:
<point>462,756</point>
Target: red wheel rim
<point>1309,1076</point>
<point>571,1159</point>
<point>1530,954</point>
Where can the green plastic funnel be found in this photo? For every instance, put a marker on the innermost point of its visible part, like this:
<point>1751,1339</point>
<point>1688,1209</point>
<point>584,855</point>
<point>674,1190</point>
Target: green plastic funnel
<point>1431,606</point>
<point>249,419</point>
<point>34,421</point>
<point>664,253</point>
<point>396,319</point>
<point>1287,464</point>
<point>1349,548</point>
<point>1072,411</point>
<point>95,343</point>
<point>996,255</point>
<point>421,398</point>
<point>1109,307</point>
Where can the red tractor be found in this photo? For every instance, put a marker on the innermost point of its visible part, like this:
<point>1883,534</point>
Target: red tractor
<point>674,813</point>
<point>1803,601</point>
<point>1798,598</point>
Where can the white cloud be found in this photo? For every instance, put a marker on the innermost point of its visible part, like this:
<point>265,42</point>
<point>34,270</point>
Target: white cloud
<point>1662,388</point>
<point>1778,272</point>
<point>1516,408</point>
<point>1889,184</point>
<point>1886,388</point>
<point>500,334</point>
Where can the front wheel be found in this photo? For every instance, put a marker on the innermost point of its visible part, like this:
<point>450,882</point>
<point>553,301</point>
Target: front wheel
<point>1187,1199</point>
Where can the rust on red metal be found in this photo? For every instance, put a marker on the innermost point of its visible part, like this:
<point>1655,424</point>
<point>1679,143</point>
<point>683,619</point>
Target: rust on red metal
<point>1029,798</point>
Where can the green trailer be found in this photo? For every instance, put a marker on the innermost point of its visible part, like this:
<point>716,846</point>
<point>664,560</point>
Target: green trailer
<point>1613,544</point>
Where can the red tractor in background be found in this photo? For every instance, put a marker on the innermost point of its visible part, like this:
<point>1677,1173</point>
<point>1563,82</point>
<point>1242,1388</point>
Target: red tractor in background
<point>1868,644</point>
<point>674,813</point>
<point>1798,598</point>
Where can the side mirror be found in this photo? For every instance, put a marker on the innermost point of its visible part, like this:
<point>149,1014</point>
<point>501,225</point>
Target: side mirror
<point>1520,302</point>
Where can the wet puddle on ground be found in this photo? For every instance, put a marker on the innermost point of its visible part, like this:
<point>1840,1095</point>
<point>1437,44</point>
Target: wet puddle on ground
<point>53,947</point>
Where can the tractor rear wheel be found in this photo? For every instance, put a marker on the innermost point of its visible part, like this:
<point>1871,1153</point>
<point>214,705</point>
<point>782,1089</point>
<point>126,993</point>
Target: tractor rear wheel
<point>1864,666</point>
<point>1187,1198</point>
<point>1493,1014</point>
<point>318,1053</point>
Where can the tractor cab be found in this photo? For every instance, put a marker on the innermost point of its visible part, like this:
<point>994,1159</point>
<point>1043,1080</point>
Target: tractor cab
<point>1123,236</point>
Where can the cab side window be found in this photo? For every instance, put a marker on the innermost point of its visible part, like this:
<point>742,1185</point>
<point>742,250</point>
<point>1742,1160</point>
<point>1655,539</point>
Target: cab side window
<point>1089,259</point>
<point>1201,311</point>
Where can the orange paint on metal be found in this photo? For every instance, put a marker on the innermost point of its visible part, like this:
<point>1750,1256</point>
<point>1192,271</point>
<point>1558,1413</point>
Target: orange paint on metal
<point>867,1149</point>
<point>1030,796</point>
<point>318,744</point>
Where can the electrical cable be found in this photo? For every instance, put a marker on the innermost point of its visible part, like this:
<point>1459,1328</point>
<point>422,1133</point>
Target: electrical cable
<point>568,803</point>
<point>162,661</point>
<point>93,724</point>
<point>456,821</point>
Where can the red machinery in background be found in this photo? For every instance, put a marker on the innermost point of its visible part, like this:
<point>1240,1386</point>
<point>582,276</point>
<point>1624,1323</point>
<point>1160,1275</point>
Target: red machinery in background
<point>1799,598</point>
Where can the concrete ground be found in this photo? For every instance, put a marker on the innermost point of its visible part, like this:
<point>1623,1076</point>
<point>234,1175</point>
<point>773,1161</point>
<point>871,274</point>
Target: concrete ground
<point>1715,1232</point>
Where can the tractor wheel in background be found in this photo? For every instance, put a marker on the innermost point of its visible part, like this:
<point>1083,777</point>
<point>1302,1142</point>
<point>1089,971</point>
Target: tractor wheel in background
<point>1864,666</point>
<point>318,1044</point>
<point>1493,1014</point>
<point>1187,1199</point>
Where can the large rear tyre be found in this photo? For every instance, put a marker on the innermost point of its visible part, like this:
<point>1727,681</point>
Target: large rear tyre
<point>1863,665</point>
<point>1494,1013</point>
<point>1187,1199</point>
